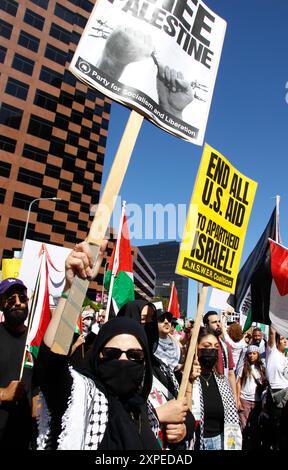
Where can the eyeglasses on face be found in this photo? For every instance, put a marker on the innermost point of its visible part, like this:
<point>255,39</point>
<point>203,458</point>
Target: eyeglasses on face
<point>136,355</point>
<point>12,300</point>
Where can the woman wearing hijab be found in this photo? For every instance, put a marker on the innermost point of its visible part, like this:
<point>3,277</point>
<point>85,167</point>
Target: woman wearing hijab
<point>177,423</point>
<point>213,400</point>
<point>105,409</point>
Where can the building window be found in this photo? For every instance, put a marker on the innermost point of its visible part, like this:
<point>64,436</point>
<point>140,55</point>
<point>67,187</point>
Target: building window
<point>57,146</point>
<point>40,127</point>
<point>102,140</point>
<point>69,78</point>
<point>48,192</point>
<point>41,3</point>
<point>9,6</point>
<point>61,121</point>
<point>23,64</point>
<point>21,201</point>
<point>50,76</point>
<point>28,41</point>
<point>64,13</point>
<point>45,100</point>
<point>7,144</point>
<point>3,51</point>
<point>65,185</point>
<point>30,177</point>
<point>2,195</point>
<point>66,99</point>
<point>10,116</point>
<point>5,29</point>
<point>15,229</point>
<point>33,19</point>
<point>16,88</point>
<point>80,97</point>
<point>55,54</point>
<point>60,33</point>
<point>76,117</point>
<point>34,153</point>
<point>75,37</point>
<point>52,171</point>
<point>81,21</point>
<point>5,169</point>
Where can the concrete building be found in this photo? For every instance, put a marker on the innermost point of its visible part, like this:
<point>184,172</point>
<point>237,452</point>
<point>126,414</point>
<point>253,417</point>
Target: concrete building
<point>53,128</point>
<point>163,259</point>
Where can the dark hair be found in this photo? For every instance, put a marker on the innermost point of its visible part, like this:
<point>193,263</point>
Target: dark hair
<point>207,315</point>
<point>247,370</point>
<point>257,329</point>
<point>204,331</point>
<point>277,338</point>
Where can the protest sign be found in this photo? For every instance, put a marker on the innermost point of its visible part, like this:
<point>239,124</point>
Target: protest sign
<point>216,224</point>
<point>160,58</point>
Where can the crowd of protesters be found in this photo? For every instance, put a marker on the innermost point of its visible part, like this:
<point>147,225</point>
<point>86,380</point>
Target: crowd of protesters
<point>117,388</point>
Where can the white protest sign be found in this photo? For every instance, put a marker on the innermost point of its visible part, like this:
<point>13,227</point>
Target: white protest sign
<point>159,57</point>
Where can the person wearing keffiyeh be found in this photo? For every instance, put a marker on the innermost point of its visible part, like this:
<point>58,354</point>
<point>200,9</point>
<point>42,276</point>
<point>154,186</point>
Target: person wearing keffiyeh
<point>104,407</point>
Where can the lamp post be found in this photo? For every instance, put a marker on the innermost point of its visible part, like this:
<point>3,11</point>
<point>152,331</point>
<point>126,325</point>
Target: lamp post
<point>28,216</point>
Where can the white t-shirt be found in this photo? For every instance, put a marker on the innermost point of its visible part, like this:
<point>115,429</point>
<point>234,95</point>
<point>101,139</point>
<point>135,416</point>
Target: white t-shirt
<point>248,390</point>
<point>237,347</point>
<point>277,368</point>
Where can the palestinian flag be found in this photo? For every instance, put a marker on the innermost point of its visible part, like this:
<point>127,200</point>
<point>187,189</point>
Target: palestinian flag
<point>79,326</point>
<point>119,277</point>
<point>40,315</point>
<point>278,310</point>
<point>255,275</point>
<point>173,304</point>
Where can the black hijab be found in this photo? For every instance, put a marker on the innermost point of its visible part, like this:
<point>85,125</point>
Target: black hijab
<point>160,369</point>
<point>128,426</point>
<point>133,310</point>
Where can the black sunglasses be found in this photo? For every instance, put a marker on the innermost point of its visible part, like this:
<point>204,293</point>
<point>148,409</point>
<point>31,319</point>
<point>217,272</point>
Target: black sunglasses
<point>164,317</point>
<point>136,355</point>
<point>12,299</point>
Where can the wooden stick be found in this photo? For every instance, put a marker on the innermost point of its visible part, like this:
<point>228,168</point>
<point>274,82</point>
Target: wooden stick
<point>193,342</point>
<point>65,330</point>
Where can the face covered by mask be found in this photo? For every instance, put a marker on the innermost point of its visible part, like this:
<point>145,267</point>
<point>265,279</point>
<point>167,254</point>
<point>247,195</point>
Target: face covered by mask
<point>15,317</point>
<point>121,377</point>
<point>208,358</point>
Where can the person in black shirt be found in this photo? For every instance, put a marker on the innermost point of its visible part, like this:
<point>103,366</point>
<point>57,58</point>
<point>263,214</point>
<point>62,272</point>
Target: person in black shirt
<point>15,395</point>
<point>213,400</point>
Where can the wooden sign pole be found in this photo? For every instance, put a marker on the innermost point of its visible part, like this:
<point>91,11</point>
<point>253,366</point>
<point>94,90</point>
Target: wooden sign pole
<point>65,331</point>
<point>193,342</point>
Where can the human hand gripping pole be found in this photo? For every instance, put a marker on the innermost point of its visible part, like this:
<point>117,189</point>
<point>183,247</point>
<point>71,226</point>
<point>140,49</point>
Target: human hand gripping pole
<point>65,330</point>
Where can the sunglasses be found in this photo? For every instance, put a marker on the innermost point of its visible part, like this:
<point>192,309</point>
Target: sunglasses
<point>163,318</point>
<point>136,355</point>
<point>12,299</point>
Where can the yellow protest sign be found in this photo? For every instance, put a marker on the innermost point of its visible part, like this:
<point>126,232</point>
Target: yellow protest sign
<point>10,267</point>
<point>216,223</point>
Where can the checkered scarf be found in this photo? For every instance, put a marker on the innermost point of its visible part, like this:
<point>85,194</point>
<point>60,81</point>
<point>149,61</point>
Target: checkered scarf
<point>231,416</point>
<point>85,419</point>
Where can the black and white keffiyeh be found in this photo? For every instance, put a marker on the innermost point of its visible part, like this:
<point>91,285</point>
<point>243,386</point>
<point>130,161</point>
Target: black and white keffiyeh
<point>231,417</point>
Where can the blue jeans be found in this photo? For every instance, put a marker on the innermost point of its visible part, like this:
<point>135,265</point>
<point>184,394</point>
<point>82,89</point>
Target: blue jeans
<point>214,443</point>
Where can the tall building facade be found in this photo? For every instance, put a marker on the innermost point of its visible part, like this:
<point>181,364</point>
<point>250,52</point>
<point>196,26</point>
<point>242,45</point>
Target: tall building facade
<point>163,259</point>
<point>53,128</point>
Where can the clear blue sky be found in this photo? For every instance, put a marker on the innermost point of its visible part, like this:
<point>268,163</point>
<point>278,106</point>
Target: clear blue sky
<point>247,124</point>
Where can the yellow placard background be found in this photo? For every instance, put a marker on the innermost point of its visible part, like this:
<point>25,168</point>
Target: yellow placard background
<point>216,223</point>
<point>10,267</point>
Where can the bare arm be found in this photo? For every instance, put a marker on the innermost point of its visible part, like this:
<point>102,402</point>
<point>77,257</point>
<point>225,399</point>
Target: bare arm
<point>80,262</point>
<point>232,382</point>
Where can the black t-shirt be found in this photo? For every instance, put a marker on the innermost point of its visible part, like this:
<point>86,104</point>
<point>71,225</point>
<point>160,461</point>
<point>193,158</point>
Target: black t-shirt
<point>213,407</point>
<point>15,417</point>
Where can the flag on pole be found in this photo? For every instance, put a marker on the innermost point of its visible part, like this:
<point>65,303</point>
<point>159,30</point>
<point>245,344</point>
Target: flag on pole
<point>119,276</point>
<point>173,304</point>
<point>40,315</point>
<point>278,310</point>
<point>256,275</point>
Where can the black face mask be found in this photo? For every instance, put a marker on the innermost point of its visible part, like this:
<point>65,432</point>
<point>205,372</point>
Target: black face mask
<point>208,358</point>
<point>15,317</point>
<point>121,378</point>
